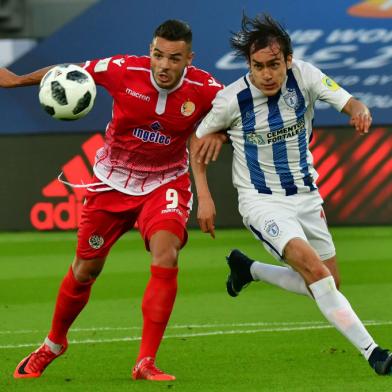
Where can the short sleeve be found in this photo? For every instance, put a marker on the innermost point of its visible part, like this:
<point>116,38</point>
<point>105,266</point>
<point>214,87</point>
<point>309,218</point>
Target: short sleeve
<point>107,72</point>
<point>211,88</point>
<point>217,119</point>
<point>324,88</point>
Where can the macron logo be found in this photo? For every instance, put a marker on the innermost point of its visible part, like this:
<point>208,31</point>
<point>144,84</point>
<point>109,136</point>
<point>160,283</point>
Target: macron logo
<point>63,209</point>
<point>137,95</point>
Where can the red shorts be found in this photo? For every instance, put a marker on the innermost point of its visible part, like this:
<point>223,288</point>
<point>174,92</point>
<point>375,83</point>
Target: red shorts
<point>108,215</point>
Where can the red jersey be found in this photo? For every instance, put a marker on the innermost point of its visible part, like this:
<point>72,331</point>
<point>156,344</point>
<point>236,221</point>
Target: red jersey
<point>145,141</point>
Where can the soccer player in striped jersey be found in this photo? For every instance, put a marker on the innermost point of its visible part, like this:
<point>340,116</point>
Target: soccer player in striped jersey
<point>141,176</point>
<point>268,116</point>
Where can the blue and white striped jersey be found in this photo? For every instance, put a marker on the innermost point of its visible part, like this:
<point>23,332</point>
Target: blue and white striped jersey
<point>271,135</point>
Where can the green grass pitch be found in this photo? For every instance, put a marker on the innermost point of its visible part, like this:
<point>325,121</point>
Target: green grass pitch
<point>264,340</point>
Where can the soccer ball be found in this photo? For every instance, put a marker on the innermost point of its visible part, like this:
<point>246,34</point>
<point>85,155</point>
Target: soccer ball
<point>67,92</point>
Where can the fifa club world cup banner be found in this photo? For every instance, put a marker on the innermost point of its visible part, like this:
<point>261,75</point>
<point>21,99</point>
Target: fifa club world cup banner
<point>350,40</point>
<point>355,179</point>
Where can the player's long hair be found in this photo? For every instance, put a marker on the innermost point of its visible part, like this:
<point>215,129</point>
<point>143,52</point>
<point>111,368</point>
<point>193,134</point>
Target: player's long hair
<point>258,33</point>
<point>174,30</point>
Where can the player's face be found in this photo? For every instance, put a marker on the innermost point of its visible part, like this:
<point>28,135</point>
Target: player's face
<point>268,69</point>
<point>168,61</point>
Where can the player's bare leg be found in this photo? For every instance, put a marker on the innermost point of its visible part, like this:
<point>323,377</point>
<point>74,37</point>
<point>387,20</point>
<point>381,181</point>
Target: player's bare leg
<point>157,304</point>
<point>73,295</point>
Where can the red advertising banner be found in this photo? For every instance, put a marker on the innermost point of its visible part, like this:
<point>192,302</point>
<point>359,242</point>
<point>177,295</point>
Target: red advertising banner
<point>355,175</point>
<point>355,179</point>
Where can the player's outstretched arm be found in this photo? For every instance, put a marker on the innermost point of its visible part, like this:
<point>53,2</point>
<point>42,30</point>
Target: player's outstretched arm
<point>206,211</point>
<point>360,117</point>
<point>8,79</point>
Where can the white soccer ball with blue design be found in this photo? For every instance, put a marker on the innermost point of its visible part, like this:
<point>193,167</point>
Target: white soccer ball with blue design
<point>67,92</point>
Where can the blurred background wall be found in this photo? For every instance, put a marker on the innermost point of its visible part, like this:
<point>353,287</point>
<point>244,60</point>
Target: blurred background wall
<point>350,40</point>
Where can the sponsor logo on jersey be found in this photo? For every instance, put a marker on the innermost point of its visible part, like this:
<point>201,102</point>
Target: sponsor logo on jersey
<point>330,83</point>
<point>170,210</point>
<point>254,138</point>
<point>96,241</point>
<point>102,65</point>
<point>137,95</point>
<point>291,98</point>
<point>286,132</point>
<point>213,83</point>
<point>151,136</point>
<point>62,207</point>
<point>119,62</point>
<point>271,228</point>
<point>188,108</point>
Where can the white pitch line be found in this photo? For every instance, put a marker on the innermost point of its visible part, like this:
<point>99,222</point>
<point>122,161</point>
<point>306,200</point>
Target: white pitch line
<point>191,326</point>
<point>175,326</point>
<point>201,334</point>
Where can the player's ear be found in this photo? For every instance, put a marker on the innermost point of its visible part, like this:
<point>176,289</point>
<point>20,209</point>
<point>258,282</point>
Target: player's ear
<point>153,45</point>
<point>289,61</point>
<point>191,55</point>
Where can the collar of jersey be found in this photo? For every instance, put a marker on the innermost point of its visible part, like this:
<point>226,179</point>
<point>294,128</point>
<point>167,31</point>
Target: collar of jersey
<point>163,90</point>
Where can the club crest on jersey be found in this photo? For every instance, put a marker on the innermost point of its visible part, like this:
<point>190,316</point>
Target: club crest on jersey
<point>96,241</point>
<point>271,228</point>
<point>254,138</point>
<point>187,108</point>
<point>156,126</point>
<point>291,98</point>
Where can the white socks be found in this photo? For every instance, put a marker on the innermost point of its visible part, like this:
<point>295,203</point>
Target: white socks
<point>337,310</point>
<point>54,347</point>
<point>331,302</point>
<point>283,277</point>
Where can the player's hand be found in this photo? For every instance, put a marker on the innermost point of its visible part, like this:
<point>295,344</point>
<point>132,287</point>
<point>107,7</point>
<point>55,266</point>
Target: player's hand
<point>206,215</point>
<point>361,121</point>
<point>360,117</point>
<point>207,148</point>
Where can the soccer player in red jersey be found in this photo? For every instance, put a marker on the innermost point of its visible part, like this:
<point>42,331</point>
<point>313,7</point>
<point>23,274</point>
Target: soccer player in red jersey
<point>140,176</point>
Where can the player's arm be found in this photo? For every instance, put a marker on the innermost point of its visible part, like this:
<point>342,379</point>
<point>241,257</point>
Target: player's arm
<point>8,79</point>
<point>206,211</point>
<point>211,133</point>
<point>207,148</point>
<point>360,117</point>
<point>327,90</point>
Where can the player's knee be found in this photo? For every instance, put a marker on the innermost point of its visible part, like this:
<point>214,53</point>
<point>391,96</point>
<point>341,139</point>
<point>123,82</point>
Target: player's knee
<point>317,271</point>
<point>164,248</point>
<point>85,270</point>
<point>305,260</point>
<point>165,257</point>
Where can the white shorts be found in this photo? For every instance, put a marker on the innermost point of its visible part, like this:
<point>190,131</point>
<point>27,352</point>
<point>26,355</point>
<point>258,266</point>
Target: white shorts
<point>276,219</point>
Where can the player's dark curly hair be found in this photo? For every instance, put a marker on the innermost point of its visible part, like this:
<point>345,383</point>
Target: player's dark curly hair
<point>258,33</point>
<point>174,30</point>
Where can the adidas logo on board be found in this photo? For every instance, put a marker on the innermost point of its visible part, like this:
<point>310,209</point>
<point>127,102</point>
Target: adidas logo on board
<point>65,215</point>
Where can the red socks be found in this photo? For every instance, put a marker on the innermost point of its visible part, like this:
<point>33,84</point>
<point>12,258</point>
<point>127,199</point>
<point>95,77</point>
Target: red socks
<point>157,306</point>
<point>71,299</point>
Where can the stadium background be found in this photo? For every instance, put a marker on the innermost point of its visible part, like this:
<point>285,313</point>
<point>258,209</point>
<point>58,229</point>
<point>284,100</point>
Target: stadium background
<point>346,41</point>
